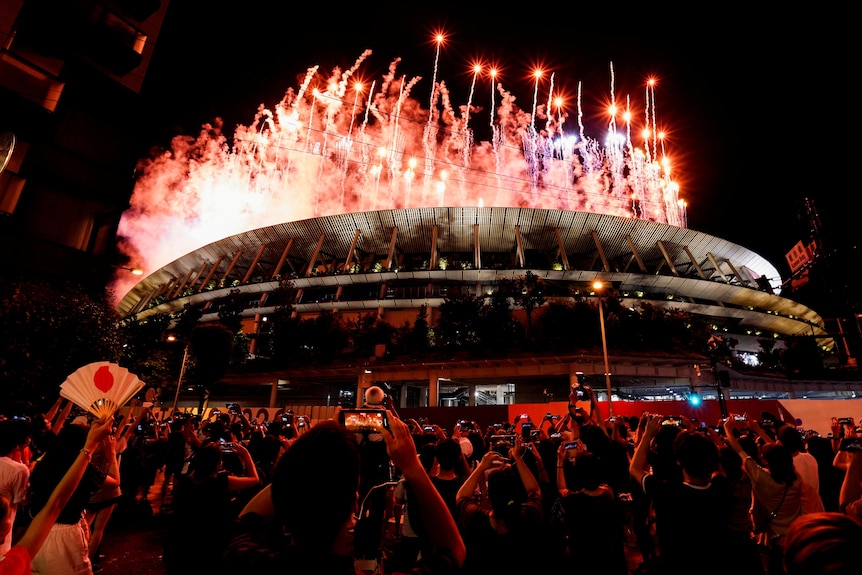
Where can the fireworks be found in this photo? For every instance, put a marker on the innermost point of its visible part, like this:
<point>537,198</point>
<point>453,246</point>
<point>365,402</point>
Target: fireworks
<point>335,145</point>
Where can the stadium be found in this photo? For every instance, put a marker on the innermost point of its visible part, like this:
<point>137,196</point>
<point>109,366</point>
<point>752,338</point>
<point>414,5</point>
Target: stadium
<point>370,203</point>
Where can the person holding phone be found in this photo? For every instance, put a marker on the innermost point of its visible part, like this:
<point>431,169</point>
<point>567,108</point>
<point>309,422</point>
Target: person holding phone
<point>502,516</point>
<point>850,496</point>
<point>203,507</point>
<point>593,518</point>
<point>777,491</point>
<point>700,497</point>
<point>313,503</point>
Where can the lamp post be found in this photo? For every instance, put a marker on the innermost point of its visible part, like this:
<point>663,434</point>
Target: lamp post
<point>599,286</point>
<point>182,375</point>
<point>133,271</point>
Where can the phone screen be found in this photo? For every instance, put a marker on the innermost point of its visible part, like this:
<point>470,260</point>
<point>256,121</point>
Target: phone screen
<point>364,419</point>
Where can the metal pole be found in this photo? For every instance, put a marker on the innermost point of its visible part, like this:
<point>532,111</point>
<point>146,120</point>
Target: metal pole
<point>605,350</point>
<point>180,380</point>
<point>716,381</point>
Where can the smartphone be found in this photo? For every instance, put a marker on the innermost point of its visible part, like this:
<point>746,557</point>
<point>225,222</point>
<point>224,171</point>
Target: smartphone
<point>845,420</point>
<point>232,408</point>
<point>740,418</point>
<point>850,444</point>
<point>502,443</point>
<point>571,445</point>
<point>364,419</point>
<point>526,430</point>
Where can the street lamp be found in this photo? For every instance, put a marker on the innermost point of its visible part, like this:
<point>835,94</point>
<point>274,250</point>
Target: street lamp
<point>182,373</point>
<point>133,271</point>
<point>599,286</point>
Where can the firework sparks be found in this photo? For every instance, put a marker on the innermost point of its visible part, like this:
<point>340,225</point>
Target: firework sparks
<point>301,159</point>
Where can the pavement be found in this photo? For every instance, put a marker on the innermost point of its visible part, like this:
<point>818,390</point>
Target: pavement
<point>132,543</point>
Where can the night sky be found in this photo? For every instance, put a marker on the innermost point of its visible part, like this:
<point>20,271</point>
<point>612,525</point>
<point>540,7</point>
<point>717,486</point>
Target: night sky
<point>753,105</point>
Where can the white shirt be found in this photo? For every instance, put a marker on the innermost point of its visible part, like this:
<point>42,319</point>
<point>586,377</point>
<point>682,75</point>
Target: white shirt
<point>806,467</point>
<point>14,483</point>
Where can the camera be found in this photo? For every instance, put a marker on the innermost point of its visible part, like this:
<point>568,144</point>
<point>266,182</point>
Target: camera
<point>740,418</point>
<point>845,420</point>
<point>232,408</point>
<point>302,421</point>
<point>428,429</point>
<point>226,446</point>
<point>502,443</point>
<point>465,425</point>
<point>364,419</point>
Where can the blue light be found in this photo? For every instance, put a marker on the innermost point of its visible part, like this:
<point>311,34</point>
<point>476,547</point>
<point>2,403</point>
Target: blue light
<point>694,399</point>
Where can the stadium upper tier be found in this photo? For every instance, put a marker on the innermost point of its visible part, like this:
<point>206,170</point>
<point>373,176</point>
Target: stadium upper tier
<point>405,258</point>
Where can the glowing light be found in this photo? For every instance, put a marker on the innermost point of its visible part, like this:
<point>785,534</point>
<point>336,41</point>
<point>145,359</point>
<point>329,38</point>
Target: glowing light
<point>537,74</point>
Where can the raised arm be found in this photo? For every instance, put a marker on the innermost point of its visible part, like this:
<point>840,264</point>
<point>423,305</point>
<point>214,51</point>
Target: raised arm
<point>58,423</point>
<point>52,413</point>
<point>468,488</point>
<point>638,465</point>
<point>851,487</point>
<point>402,451</point>
<point>250,479</point>
<point>39,528</point>
<point>529,480</point>
<point>729,425</point>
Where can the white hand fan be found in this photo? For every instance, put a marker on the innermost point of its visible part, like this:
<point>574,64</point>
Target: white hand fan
<point>101,388</point>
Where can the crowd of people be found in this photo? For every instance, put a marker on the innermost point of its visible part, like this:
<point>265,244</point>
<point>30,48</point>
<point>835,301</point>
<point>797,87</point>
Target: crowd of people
<point>751,494</point>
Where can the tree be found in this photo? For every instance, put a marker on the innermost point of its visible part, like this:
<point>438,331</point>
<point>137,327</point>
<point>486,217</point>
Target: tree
<point>414,339</point>
<point>497,328</point>
<point>458,322</point>
<point>49,329</point>
<point>528,293</point>
<point>210,348</point>
<point>566,326</point>
<point>147,352</point>
<point>367,332</point>
<point>801,357</point>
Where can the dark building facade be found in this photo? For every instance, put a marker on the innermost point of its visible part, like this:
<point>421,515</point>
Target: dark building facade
<point>70,77</point>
